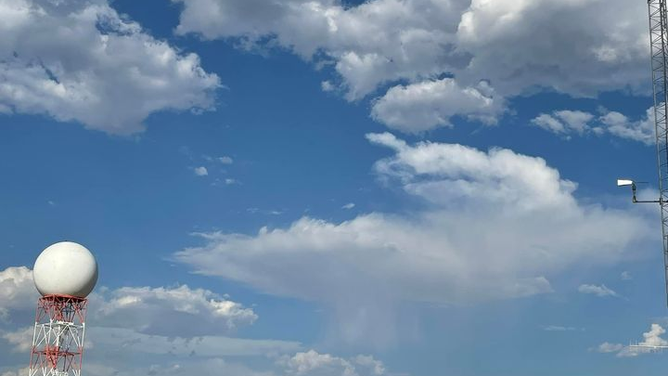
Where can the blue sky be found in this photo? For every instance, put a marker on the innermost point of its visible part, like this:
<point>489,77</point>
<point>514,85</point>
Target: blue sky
<point>288,187</point>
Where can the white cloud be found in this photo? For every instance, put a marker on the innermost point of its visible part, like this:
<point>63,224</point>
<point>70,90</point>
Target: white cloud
<point>125,352</point>
<point>652,342</point>
<point>626,276</point>
<point>600,291</point>
<point>17,291</point>
<point>327,86</point>
<point>138,331</point>
<point>568,122</point>
<point>550,123</point>
<point>120,351</point>
<point>564,122</point>
<point>426,105</point>
<point>201,171</point>
<point>130,327</point>
<point>574,47</point>
<point>348,206</point>
<point>369,44</point>
<point>186,359</point>
<point>81,61</point>
<point>607,347</point>
<point>508,209</point>
<point>639,130</point>
<point>20,340</point>
<point>141,308</point>
<point>376,367</point>
<point>312,363</point>
<point>653,337</point>
<point>226,160</point>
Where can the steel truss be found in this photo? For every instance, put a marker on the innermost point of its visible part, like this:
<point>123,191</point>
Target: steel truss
<point>658,26</point>
<point>58,336</point>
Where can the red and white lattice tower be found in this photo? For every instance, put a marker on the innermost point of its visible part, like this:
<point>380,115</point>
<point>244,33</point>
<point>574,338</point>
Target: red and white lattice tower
<point>58,337</point>
<point>64,273</point>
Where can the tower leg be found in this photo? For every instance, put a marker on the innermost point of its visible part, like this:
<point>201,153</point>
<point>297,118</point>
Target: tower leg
<point>58,336</point>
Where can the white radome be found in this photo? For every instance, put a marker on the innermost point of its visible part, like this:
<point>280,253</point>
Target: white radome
<point>65,268</point>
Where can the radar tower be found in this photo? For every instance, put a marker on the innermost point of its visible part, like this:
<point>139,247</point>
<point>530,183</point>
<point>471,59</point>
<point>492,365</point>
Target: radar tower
<point>658,28</point>
<point>64,274</point>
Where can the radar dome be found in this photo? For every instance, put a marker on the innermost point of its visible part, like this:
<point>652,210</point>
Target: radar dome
<point>65,268</point>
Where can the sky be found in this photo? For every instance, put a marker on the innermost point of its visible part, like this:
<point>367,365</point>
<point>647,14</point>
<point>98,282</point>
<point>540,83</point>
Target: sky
<point>336,188</point>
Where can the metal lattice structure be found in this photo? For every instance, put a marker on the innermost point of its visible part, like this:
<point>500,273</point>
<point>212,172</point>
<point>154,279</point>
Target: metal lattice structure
<point>658,27</point>
<point>58,337</point>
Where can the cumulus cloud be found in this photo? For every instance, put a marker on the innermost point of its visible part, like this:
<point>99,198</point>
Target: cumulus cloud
<point>641,130</point>
<point>369,44</point>
<point>140,308</point>
<point>17,291</point>
<point>197,311</point>
<point>429,104</point>
<point>564,122</point>
<point>124,346</point>
<point>20,340</point>
<point>312,363</point>
<point>653,337</point>
<point>125,352</point>
<point>600,291</point>
<point>81,61</point>
<point>226,160</point>
<point>607,347</point>
<point>120,351</point>
<point>364,266</point>
<point>574,47</point>
<point>567,122</point>
<point>201,171</point>
<point>652,342</point>
<point>133,328</point>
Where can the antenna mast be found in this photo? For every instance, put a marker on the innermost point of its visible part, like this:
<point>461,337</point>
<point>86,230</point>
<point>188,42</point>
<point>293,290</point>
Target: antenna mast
<point>658,27</point>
